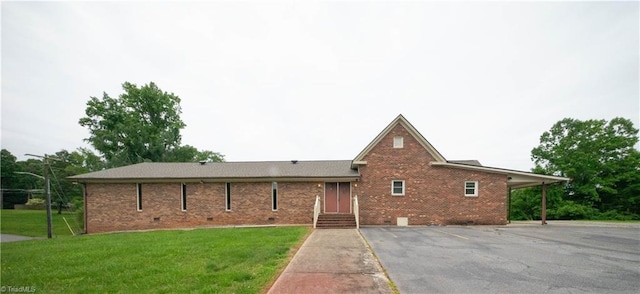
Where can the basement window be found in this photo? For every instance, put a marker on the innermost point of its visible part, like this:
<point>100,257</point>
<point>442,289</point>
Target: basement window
<point>398,142</point>
<point>183,196</point>
<point>139,196</point>
<point>274,196</point>
<point>397,188</point>
<point>471,188</point>
<point>227,197</point>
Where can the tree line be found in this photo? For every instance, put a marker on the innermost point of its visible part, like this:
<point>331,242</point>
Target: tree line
<point>17,186</point>
<point>141,125</point>
<point>603,163</point>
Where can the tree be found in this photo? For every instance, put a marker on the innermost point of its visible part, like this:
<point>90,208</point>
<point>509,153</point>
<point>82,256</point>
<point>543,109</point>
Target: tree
<point>33,166</point>
<point>8,167</point>
<point>189,153</point>
<point>599,157</point>
<point>89,161</point>
<point>526,202</point>
<point>10,195</point>
<point>67,164</point>
<point>143,124</point>
<point>16,188</point>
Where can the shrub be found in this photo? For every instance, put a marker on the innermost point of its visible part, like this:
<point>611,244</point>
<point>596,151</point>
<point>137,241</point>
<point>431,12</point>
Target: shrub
<point>569,210</point>
<point>615,215</point>
<point>36,203</point>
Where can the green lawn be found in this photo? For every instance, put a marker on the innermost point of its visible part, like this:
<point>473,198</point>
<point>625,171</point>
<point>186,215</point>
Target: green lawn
<point>236,260</point>
<point>34,223</point>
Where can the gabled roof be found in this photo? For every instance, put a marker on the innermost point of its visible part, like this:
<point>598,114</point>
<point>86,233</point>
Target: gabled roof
<point>330,169</point>
<point>400,120</point>
<point>515,178</point>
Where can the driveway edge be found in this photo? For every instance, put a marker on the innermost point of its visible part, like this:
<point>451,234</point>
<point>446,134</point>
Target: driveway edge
<point>390,283</point>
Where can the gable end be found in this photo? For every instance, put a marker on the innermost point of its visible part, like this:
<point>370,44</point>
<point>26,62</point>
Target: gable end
<point>400,120</point>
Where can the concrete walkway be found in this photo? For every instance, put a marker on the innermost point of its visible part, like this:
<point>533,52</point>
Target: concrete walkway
<point>333,261</point>
<point>13,238</point>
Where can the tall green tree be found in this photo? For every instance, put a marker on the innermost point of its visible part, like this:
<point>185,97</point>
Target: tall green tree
<point>16,187</point>
<point>189,153</point>
<point>62,165</point>
<point>7,169</point>
<point>11,187</point>
<point>88,160</point>
<point>600,158</point>
<point>142,124</point>
<point>65,164</point>
<point>15,181</point>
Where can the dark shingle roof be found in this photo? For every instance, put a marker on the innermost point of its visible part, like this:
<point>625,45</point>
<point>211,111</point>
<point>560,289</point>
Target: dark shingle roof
<point>222,170</point>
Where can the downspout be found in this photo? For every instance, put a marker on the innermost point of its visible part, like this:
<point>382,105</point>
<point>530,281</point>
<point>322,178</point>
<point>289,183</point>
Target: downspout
<point>84,208</point>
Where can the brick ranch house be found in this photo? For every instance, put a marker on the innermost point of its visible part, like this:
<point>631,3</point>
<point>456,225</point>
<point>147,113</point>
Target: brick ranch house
<point>398,179</point>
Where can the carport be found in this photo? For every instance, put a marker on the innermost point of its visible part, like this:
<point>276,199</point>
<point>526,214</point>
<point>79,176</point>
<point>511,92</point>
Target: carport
<point>515,180</point>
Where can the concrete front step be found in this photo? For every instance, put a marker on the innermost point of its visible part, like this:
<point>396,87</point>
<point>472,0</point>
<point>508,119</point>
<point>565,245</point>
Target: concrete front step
<point>336,221</point>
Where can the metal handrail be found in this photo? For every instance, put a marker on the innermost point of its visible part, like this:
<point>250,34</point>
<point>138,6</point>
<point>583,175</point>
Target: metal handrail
<point>356,211</point>
<point>316,211</point>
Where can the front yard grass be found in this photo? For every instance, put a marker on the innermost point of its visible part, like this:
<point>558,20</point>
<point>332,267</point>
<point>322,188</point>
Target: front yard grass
<point>33,223</point>
<point>233,260</point>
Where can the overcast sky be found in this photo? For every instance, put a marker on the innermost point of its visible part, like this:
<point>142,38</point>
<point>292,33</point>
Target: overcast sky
<point>312,81</point>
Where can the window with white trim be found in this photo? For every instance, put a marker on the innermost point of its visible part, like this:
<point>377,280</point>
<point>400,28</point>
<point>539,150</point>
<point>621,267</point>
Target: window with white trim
<point>471,188</point>
<point>139,197</point>
<point>183,196</point>
<point>398,142</point>
<point>397,188</point>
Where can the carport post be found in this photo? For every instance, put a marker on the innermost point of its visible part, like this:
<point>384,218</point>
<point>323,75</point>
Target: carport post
<point>509,207</point>
<point>543,213</point>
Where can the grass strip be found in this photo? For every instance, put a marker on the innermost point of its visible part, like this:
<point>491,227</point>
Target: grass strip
<point>33,223</point>
<point>233,260</point>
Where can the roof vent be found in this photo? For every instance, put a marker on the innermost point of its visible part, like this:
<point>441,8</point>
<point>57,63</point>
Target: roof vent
<point>203,162</point>
<point>294,161</point>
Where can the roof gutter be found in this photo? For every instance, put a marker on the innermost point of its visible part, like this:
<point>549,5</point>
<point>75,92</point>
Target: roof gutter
<point>546,178</point>
<point>217,180</point>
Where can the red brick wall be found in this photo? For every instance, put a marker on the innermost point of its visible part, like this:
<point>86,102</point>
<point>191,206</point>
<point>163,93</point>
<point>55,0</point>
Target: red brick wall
<point>433,195</point>
<point>112,207</point>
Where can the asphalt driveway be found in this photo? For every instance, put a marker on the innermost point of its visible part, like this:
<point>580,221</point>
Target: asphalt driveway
<point>515,259</point>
